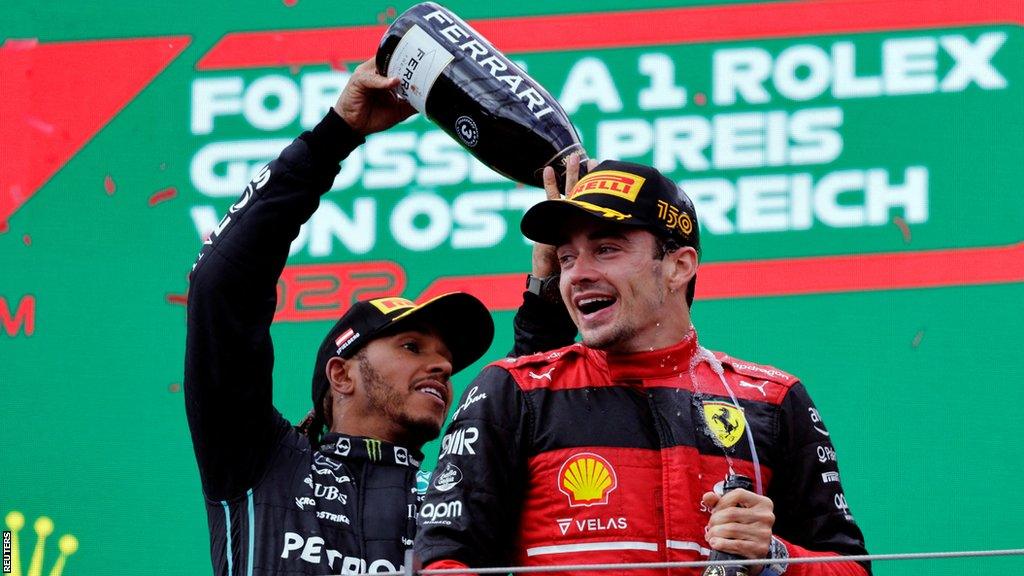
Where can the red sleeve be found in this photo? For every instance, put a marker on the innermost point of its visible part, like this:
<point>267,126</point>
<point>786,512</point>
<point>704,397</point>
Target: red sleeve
<point>446,564</point>
<point>819,569</point>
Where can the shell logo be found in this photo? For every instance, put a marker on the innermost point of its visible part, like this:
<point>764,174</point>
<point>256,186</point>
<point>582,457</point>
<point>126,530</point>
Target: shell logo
<point>587,479</point>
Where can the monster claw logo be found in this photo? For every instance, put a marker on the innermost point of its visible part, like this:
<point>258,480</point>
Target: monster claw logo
<point>43,527</point>
<point>372,449</point>
<point>587,479</point>
<point>725,421</point>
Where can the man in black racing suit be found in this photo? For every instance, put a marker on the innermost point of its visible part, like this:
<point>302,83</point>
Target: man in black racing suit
<point>280,499</point>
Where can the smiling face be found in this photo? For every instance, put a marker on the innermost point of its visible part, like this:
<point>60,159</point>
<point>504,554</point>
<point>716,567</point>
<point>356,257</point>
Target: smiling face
<point>621,294</point>
<point>400,388</point>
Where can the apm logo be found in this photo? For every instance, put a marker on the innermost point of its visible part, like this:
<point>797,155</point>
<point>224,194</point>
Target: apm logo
<point>43,526</point>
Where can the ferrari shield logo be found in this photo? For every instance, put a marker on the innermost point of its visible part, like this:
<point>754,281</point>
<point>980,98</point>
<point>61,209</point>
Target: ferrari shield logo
<point>725,421</point>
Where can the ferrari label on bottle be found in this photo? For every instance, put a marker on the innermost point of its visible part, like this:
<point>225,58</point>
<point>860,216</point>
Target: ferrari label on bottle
<point>418,61</point>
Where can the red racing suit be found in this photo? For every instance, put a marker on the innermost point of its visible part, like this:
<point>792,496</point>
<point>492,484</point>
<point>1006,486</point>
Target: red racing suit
<point>578,456</point>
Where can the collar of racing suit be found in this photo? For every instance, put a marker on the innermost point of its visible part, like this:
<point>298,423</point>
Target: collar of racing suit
<point>653,364</point>
<point>362,448</point>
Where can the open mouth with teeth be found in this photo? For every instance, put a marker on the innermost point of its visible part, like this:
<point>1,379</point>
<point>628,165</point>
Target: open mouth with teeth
<point>432,391</point>
<point>590,305</point>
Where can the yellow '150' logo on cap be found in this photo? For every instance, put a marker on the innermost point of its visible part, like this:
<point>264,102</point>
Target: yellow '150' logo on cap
<point>611,182</point>
<point>674,219</point>
<point>725,421</point>
<point>587,479</point>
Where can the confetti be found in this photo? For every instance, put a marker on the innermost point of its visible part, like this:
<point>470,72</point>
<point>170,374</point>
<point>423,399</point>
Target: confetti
<point>109,185</point>
<point>163,195</point>
<point>179,299</point>
<point>917,339</point>
<point>899,221</point>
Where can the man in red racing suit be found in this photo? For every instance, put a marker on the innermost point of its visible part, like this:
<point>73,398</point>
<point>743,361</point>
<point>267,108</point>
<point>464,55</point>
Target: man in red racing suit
<point>610,450</point>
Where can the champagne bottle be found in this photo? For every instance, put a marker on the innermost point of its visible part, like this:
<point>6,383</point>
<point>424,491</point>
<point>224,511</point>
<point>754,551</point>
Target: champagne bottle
<point>478,96</point>
<point>732,482</point>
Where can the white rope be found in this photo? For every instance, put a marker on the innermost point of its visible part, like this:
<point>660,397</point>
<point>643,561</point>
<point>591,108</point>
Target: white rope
<point>706,563</point>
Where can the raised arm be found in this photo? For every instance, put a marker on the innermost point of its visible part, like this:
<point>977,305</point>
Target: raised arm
<point>229,355</point>
<point>542,322</point>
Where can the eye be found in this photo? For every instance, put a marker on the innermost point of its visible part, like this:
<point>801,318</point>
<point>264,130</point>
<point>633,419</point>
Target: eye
<point>565,259</point>
<point>411,346</point>
<point>606,249</point>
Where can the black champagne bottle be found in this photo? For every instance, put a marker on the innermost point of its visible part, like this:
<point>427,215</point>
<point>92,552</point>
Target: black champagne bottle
<point>478,96</point>
<point>732,482</point>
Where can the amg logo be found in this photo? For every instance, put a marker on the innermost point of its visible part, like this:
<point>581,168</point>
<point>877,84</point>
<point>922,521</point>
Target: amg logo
<point>459,442</point>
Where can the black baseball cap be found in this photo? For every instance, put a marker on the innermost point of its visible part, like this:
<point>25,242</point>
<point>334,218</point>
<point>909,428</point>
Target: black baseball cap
<point>622,193</point>
<point>463,322</point>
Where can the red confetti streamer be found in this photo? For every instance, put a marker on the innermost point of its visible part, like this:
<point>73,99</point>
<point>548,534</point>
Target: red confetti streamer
<point>700,99</point>
<point>27,240</point>
<point>109,185</point>
<point>180,299</point>
<point>899,221</point>
<point>290,3</point>
<point>163,195</point>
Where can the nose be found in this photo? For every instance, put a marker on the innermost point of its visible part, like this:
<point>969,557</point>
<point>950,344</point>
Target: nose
<point>440,366</point>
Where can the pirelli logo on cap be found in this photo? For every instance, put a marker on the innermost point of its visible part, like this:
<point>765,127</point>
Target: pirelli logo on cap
<point>611,182</point>
<point>389,305</point>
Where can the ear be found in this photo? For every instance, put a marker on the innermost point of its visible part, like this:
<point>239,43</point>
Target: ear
<point>680,268</point>
<point>339,374</point>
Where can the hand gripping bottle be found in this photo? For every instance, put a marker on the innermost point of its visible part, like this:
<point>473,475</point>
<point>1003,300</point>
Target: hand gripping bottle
<point>732,482</point>
<point>478,96</point>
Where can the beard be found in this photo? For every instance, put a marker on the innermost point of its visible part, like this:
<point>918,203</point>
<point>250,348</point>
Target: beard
<point>610,342</point>
<point>385,398</point>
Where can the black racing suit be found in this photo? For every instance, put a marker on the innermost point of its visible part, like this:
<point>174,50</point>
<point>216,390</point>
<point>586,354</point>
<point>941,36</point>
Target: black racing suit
<point>275,504</point>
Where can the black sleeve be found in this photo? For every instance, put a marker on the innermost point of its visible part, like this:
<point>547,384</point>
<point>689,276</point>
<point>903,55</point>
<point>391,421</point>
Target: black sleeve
<point>810,506</point>
<point>540,325</point>
<point>229,357</point>
<point>472,506</point>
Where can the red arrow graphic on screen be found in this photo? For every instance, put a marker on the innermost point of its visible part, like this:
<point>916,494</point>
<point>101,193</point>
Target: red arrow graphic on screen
<point>58,95</point>
<point>799,276</point>
<point>718,280</point>
<point>625,29</point>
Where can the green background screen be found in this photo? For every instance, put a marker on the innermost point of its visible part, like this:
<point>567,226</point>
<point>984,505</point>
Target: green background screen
<point>856,167</point>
